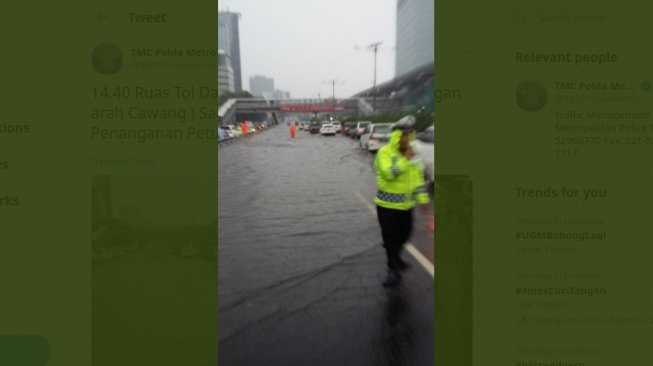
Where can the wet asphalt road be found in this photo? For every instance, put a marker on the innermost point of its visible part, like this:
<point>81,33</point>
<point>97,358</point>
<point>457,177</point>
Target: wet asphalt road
<point>301,263</point>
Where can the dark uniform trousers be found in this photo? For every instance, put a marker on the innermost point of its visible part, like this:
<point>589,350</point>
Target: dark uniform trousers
<point>396,227</point>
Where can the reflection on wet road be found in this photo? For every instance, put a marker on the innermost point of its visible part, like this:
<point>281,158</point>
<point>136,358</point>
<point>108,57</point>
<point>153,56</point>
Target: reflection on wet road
<point>301,262</point>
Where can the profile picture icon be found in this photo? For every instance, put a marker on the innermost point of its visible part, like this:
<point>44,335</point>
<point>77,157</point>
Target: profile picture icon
<point>107,58</point>
<point>531,95</point>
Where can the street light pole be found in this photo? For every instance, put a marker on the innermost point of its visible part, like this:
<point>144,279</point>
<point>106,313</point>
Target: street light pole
<point>373,47</point>
<point>333,88</point>
<point>376,46</point>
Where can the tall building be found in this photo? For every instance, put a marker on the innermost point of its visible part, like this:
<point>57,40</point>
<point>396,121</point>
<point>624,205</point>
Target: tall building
<point>224,42</point>
<point>277,95</point>
<point>260,85</point>
<point>225,73</point>
<point>229,41</point>
<point>415,35</point>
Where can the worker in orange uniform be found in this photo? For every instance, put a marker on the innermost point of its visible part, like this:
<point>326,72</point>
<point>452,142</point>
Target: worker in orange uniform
<point>293,128</point>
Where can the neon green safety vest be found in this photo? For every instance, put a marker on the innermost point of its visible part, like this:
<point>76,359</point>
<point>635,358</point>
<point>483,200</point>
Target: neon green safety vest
<point>400,181</point>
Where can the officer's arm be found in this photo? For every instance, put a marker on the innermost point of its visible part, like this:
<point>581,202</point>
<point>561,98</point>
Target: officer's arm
<point>421,194</point>
<point>391,166</point>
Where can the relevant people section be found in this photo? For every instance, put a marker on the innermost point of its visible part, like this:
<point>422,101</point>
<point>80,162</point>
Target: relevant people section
<point>575,59</point>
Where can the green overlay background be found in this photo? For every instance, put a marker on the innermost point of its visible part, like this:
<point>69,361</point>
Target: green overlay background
<point>94,259</point>
<point>557,151</point>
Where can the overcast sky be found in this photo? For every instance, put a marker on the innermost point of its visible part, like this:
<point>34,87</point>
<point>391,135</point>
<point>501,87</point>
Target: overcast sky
<point>304,43</point>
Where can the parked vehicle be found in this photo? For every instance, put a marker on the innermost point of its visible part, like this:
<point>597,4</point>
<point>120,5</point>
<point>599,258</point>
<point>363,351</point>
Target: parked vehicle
<point>375,136</point>
<point>222,135</point>
<point>424,148</point>
<point>352,132</point>
<point>232,131</point>
<point>348,126</point>
<point>364,134</point>
<point>315,127</point>
<point>360,127</point>
<point>337,126</point>
<point>327,129</point>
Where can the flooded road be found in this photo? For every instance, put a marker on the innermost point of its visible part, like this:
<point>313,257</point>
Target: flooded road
<point>300,259</point>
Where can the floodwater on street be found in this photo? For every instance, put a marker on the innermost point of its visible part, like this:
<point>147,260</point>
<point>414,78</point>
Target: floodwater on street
<point>300,261</point>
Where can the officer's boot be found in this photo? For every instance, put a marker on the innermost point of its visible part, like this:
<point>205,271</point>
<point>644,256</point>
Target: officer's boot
<point>393,276</point>
<point>403,265</point>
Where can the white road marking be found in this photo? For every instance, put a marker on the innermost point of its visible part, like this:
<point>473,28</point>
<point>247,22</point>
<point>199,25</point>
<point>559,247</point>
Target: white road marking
<point>410,248</point>
<point>366,203</point>
<point>421,259</point>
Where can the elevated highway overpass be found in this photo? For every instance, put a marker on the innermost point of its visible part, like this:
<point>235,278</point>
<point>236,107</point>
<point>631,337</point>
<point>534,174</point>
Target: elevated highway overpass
<point>229,110</point>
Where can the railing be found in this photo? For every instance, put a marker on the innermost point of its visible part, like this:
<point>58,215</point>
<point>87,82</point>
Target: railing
<point>228,110</point>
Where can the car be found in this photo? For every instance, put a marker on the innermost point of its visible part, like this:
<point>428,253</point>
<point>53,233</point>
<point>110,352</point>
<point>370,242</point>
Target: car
<point>360,127</point>
<point>365,133</point>
<point>232,131</point>
<point>327,129</point>
<point>352,132</point>
<point>307,126</point>
<point>337,126</point>
<point>375,136</point>
<point>251,127</point>
<point>315,127</point>
<point>222,135</point>
<point>347,127</point>
<point>424,147</point>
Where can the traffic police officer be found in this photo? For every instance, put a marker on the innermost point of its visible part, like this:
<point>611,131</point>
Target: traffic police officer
<point>400,186</point>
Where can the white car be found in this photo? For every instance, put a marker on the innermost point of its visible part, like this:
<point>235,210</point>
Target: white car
<point>327,129</point>
<point>375,136</point>
<point>423,146</point>
<point>360,127</point>
<point>233,131</point>
<point>337,126</point>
